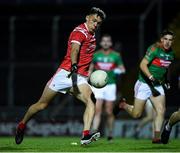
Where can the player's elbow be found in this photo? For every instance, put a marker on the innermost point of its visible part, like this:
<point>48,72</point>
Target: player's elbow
<point>143,64</point>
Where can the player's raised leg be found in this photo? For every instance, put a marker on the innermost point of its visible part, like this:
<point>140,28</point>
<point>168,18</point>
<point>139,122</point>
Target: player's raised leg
<point>134,110</point>
<point>41,104</point>
<point>86,95</point>
<point>174,118</point>
<point>159,106</point>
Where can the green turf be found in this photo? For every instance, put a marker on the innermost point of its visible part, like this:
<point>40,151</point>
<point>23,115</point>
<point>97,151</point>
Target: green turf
<point>63,144</point>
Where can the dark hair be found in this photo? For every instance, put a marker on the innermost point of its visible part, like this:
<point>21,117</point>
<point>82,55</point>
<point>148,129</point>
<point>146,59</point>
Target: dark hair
<point>98,11</point>
<point>167,32</point>
<point>106,35</point>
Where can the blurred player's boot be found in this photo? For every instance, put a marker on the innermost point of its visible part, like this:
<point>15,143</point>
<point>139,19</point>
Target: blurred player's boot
<point>137,131</point>
<point>109,138</point>
<point>156,141</point>
<point>119,105</point>
<point>136,134</point>
<point>20,132</point>
<point>165,134</point>
<point>89,138</point>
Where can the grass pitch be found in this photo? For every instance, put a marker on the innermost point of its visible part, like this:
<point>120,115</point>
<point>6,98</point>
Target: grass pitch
<point>68,144</point>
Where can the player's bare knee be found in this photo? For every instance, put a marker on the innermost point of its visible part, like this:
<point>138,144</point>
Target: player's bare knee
<point>98,112</point>
<point>161,111</point>
<point>42,105</point>
<point>109,112</point>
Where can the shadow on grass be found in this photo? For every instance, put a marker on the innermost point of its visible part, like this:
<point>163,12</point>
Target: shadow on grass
<point>158,147</point>
<point>11,148</point>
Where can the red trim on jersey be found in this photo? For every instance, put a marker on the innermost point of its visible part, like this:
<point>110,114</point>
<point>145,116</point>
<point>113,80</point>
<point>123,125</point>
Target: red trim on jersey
<point>161,62</point>
<point>156,62</point>
<point>107,66</point>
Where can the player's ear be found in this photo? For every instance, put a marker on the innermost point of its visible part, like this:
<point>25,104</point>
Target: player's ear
<point>87,17</point>
<point>161,39</point>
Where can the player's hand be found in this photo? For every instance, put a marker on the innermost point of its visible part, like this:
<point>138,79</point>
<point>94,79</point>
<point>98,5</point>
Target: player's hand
<point>74,67</point>
<point>154,81</point>
<point>167,85</point>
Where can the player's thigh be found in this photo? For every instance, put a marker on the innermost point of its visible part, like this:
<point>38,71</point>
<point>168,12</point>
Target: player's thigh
<point>138,106</point>
<point>109,107</point>
<point>159,103</point>
<point>84,93</point>
<point>47,95</point>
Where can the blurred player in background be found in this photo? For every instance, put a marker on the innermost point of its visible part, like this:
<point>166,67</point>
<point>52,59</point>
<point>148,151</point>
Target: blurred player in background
<point>152,82</point>
<point>148,118</point>
<point>174,118</point>
<point>71,76</point>
<point>110,61</point>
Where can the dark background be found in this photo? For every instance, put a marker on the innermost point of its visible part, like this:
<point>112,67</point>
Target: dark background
<point>33,41</point>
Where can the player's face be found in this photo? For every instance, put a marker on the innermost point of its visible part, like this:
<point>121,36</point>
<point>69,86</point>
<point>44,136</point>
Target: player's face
<point>167,41</point>
<point>106,43</point>
<point>93,22</point>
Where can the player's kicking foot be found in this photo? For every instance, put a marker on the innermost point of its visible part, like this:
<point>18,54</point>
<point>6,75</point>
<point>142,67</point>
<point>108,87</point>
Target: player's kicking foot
<point>20,133</point>
<point>156,141</point>
<point>89,138</point>
<point>118,106</point>
<point>165,134</point>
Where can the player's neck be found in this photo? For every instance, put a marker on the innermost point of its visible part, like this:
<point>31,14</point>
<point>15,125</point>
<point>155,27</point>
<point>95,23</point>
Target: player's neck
<point>106,51</point>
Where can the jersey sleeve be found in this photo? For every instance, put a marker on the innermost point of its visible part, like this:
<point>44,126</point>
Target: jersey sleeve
<point>77,37</point>
<point>119,60</point>
<point>151,53</point>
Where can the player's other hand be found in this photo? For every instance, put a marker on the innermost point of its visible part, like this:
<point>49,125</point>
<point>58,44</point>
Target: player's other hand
<point>167,85</point>
<point>154,81</point>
